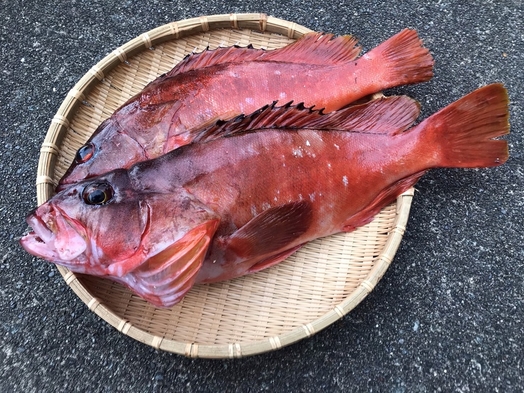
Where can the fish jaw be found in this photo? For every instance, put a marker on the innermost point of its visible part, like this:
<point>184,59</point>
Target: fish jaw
<point>55,238</point>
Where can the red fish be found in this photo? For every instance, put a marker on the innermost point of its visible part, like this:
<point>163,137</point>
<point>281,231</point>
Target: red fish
<point>239,201</point>
<point>318,69</point>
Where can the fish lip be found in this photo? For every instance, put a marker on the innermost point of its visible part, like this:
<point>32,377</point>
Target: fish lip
<point>40,229</point>
<point>42,240</point>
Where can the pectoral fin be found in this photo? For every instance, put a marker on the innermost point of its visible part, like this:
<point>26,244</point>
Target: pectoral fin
<point>270,231</point>
<point>166,277</point>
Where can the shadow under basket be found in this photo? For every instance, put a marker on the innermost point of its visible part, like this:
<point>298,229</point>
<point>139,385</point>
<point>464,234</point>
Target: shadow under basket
<point>265,311</point>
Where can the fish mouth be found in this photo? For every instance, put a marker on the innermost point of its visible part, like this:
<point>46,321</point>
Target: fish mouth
<point>54,238</point>
<point>41,232</point>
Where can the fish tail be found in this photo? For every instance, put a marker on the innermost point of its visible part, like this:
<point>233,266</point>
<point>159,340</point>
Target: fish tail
<point>401,60</point>
<point>462,134</point>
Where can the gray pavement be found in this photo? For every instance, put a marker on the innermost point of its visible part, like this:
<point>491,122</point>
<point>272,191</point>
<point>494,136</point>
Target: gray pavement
<point>447,316</point>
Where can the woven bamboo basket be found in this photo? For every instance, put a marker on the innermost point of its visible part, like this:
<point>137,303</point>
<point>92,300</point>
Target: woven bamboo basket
<point>261,312</point>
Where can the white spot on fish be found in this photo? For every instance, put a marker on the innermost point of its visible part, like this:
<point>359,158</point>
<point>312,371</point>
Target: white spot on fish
<point>345,180</point>
<point>300,197</point>
<point>253,210</point>
<point>277,72</point>
<point>265,206</point>
<point>249,100</point>
<point>310,153</point>
<point>337,146</point>
<point>282,96</point>
<point>307,143</point>
<point>275,199</point>
<point>329,165</point>
<point>297,152</point>
<point>312,197</point>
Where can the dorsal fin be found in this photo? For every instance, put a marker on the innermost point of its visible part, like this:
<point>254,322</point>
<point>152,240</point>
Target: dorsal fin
<point>318,48</point>
<point>311,48</point>
<point>267,117</point>
<point>386,115</point>
<point>208,58</point>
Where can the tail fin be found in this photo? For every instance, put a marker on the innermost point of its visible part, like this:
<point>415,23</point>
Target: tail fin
<point>465,130</point>
<point>402,60</point>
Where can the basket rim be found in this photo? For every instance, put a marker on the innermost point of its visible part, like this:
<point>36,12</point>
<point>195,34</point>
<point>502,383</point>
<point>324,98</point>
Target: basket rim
<point>45,188</point>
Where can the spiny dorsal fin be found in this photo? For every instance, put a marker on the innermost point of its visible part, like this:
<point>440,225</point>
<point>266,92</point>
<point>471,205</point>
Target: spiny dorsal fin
<point>267,117</point>
<point>208,58</point>
<point>311,48</point>
<point>386,115</point>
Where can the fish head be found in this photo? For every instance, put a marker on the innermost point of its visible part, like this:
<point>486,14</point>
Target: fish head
<point>88,226</point>
<point>110,147</point>
<point>153,242</point>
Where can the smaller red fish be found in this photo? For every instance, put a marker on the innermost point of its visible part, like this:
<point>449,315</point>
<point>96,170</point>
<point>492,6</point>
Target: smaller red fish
<point>256,188</point>
<point>318,69</point>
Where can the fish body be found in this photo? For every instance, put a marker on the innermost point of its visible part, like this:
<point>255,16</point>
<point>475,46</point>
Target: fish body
<point>318,69</point>
<point>251,191</point>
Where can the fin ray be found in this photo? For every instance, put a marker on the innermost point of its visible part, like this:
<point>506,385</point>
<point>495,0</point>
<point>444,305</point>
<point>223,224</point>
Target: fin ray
<point>384,198</point>
<point>272,261</point>
<point>464,132</point>
<point>311,48</point>
<point>318,48</point>
<point>403,59</point>
<point>387,115</point>
<point>166,277</point>
<point>271,230</point>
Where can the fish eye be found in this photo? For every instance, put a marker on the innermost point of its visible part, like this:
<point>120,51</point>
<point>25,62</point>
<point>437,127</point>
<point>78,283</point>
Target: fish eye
<point>97,194</point>
<point>84,153</point>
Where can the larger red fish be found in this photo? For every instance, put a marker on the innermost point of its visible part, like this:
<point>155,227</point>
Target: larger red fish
<point>318,69</point>
<point>240,201</point>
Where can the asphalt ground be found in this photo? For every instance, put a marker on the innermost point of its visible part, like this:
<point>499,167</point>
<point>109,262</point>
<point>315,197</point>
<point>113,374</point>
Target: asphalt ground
<point>448,314</point>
